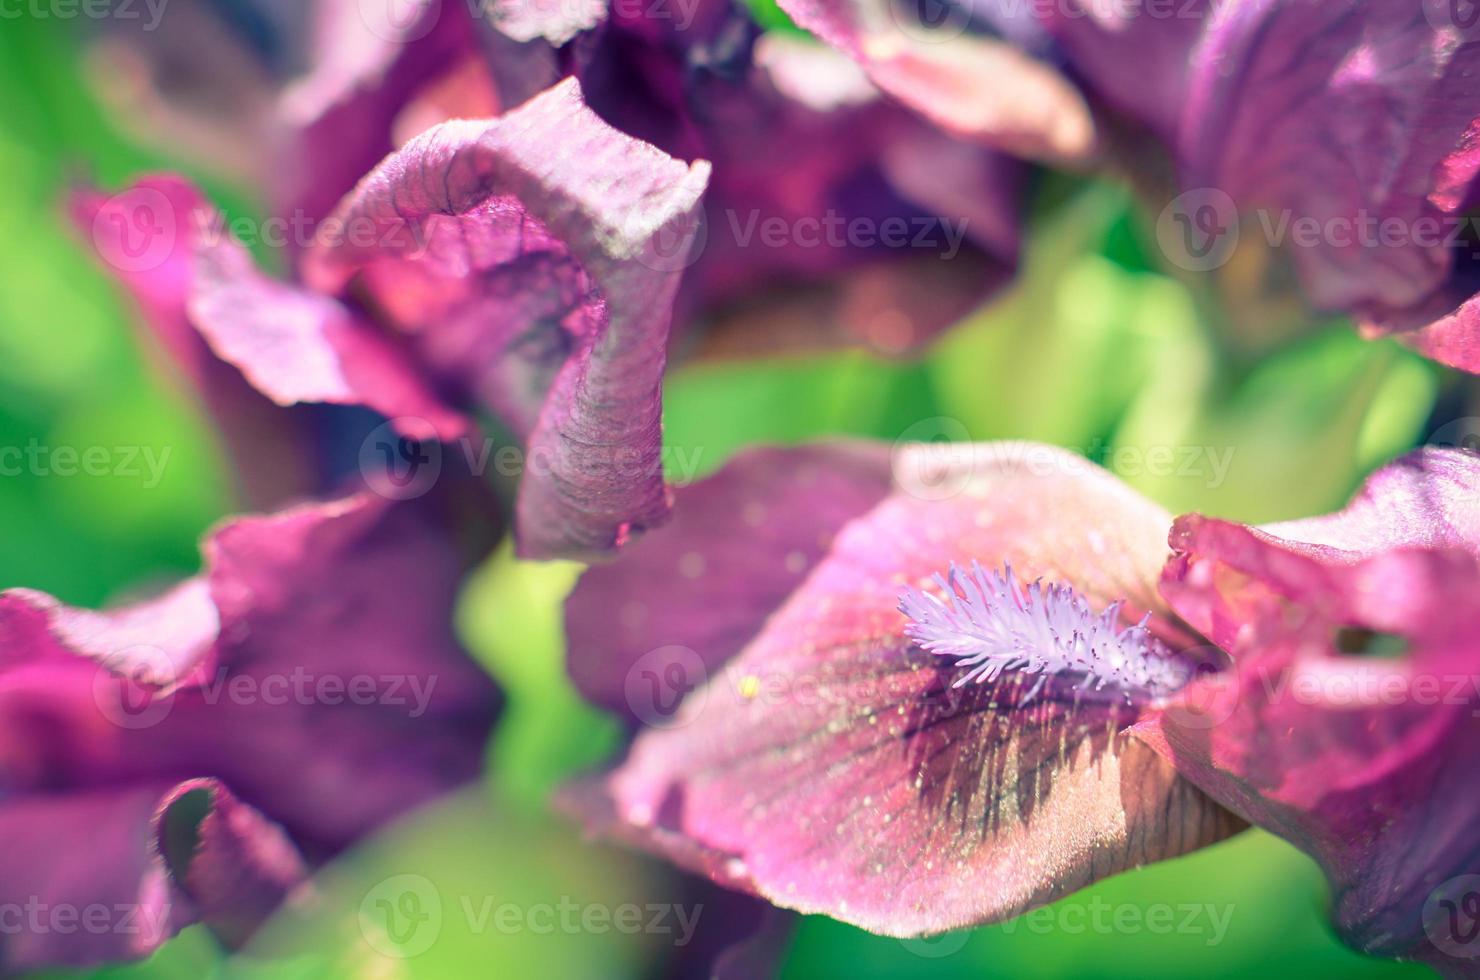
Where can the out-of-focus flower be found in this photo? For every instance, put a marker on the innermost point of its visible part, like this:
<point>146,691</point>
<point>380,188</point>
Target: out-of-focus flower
<point>970,83</point>
<point>524,266</point>
<point>185,758</point>
<point>1339,135</point>
<point>835,754</point>
<point>833,216</point>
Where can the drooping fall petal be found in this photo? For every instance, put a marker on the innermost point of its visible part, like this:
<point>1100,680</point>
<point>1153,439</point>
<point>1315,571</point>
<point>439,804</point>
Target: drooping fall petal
<point>832,767</point>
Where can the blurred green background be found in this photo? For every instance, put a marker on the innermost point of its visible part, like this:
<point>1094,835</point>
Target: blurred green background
<point>1093,349</point>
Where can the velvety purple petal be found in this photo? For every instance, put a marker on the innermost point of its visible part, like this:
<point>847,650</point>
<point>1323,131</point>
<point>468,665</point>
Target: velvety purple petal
<point>1446,328</point>
<point>1352,756</point>
<point>291,345</point>
<point>296,346</point>
<point>110,873</point>
<point>1135,57</point>
<point>370,62</point>
<point>696,591</point>
<point>1339,112</point>
<point>827,157</point>
<point>831,766</point>
<point>535,257</point>
<point>971,86</point>
<point>316,647</point>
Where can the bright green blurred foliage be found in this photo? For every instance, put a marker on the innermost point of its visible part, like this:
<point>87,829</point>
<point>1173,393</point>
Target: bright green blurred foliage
<point>1091,349</point>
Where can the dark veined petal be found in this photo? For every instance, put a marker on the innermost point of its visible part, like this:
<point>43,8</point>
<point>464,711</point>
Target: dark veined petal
<point>831,767</point>
<point>1351,751</point>
<point>535,258</point>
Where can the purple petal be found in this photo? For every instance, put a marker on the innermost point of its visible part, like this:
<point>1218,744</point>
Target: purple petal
<point>296,346</point>
<point>831,767</point>
<point>542,282</point>
<point>1354,118</point>
<point>696,591</point>
<point>110,873</point>
<point>1135,58</point>
<point>809,144</point>
<point>158,271</point>
<point>372,60</point>
<point>316,647</point>
<point>1354,758</point>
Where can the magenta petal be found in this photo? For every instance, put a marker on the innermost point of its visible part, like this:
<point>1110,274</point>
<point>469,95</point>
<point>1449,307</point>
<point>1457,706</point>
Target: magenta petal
<point>1354,758</point>
<point>1450,337</point>
<point>696,591</point>
<point>110,873</point>
<point>831,767</point>
<point>370,61</point>
<point>536,257</point>
<point>295,346</point>
<point>146,236</point>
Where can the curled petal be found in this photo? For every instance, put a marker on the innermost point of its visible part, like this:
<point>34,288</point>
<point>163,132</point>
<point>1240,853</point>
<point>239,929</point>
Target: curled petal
<point>1349,752</point>
<point>316,647</point>
<point>536,258</point>
<point>142,862</point>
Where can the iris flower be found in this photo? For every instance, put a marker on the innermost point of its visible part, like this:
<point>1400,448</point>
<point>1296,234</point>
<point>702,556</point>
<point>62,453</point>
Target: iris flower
<point>510,266</point>
<point>946,687</point>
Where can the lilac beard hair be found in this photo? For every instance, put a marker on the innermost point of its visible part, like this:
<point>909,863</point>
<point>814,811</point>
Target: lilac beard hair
<point>991,623</point>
